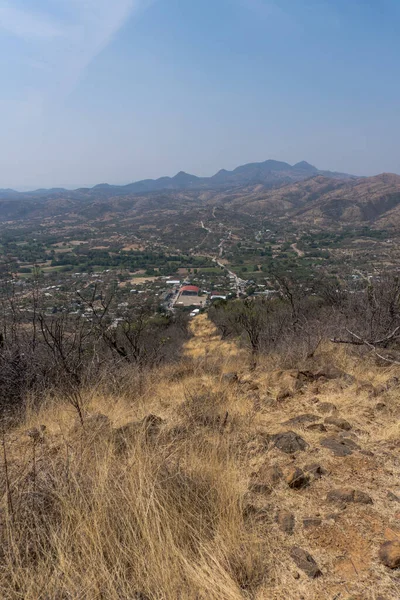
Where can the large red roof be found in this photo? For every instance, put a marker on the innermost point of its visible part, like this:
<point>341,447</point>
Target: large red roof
<point>190,288</point>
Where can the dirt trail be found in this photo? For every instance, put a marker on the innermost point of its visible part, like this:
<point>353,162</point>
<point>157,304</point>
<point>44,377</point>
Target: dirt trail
<point>356,409</point>
<point>206,341</point>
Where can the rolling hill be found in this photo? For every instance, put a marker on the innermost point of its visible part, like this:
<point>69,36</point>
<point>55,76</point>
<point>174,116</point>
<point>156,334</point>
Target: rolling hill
<point>300,194</point>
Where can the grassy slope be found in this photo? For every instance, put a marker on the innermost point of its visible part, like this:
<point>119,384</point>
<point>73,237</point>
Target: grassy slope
<point>169,513</point>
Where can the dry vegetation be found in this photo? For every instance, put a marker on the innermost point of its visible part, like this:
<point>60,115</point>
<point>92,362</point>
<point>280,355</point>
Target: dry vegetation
<point>172,489</point>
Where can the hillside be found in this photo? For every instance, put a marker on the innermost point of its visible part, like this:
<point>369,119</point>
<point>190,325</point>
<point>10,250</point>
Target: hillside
<point>207,481</point>
<point>327,202</point>
<point>319,200</point>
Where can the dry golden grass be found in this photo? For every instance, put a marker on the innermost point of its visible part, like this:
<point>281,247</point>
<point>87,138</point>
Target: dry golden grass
<point>124,509</point>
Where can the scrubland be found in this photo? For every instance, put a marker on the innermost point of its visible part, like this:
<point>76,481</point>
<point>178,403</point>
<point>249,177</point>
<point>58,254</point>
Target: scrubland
<point>178,487</point>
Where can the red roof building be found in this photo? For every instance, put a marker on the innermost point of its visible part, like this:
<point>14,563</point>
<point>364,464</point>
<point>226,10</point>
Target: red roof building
<point>189,290</point>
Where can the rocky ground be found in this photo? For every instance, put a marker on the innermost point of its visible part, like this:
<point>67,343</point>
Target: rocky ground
<point>322,474</point>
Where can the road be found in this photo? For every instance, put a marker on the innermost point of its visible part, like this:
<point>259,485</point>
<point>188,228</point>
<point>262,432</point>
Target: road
<point>240,284</point>
<point>299,252</point>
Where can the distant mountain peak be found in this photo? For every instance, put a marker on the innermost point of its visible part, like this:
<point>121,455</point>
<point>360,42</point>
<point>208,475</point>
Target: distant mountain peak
<point>182,175</point>
<point>303,164</point>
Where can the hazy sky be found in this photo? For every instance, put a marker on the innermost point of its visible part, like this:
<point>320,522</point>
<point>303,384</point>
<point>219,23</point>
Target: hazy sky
<point>120,90</point>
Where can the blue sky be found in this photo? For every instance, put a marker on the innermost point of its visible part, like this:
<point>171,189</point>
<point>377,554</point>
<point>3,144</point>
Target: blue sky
<point>101,90</point>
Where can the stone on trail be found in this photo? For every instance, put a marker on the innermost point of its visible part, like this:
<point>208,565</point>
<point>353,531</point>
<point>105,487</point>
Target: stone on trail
<point>289,442</point>
<point>339,446</point>
<point>302,419</point>
<point>317,427</point>
<point>296,478</point>
<point>305,562</point>
<point>311,522</point>
<point>338,422</point>
<point>348,495</point>
<point>286,521</point>
<point>389,554</point>
<point>265,479</point>
<point>316,470</point>
<point>393,497</point>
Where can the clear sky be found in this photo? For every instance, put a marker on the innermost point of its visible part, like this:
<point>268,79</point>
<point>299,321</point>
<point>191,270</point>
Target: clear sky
<point>118,90</point>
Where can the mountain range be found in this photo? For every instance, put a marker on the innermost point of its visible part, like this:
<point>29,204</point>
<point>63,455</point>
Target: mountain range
<point>270,173</point>
<point>300,194</point>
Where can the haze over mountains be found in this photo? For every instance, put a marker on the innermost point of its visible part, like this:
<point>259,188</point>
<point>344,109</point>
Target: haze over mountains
<point>270,173</point>
<point>300,194</point>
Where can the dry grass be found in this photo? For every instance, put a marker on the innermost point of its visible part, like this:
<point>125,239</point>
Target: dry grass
<point>159,509</point>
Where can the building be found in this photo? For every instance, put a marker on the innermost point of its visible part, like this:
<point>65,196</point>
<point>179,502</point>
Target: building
<point>189,290</point>
<point>218,296</point>
<point>188,296</point>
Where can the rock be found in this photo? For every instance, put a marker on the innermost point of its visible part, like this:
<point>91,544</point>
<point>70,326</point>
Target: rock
<point>296,478</point>
<point>340,495</point>
<point>332,517</point>
<point>284,395</point>
<point>348,495</point>
<point>302,419</point>
<point>289,442</point>
<point>266,478</point>
<point>305,562</point>
<point>316,470</point>
<point>260,514</point>
<point>361,497</point>
<point>317,427</point>
<point>230,377</point>
<point>367,453</point>
<point>270,474</point>
<point>286,521</point>
<point>339,446</point>
<point>326,407</point>
<point>328,372</point>
<point>273,475</point>
<point>393,497</point>
<point>389,554</point>
<point>311,522</point>
<point>380,405</point>
<point>338,422</point>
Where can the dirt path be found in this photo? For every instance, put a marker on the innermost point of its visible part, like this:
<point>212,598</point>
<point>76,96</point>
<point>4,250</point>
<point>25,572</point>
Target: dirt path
<point>299,252</point>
